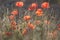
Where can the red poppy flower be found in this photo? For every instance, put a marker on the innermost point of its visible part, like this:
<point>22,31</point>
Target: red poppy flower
<point>19,4</point>
<point>8,33</point>
<point>27,18</point>
<point>31,26</point>
<point>39,12</point>
<point>32,6</point>
<point>45,5</point>
<point>13,23</point>
<point>24,31</point>
<point>14,12</point>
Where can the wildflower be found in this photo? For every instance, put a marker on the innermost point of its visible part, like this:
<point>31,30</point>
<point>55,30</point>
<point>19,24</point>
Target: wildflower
<point>27,18</point>
<point>45,5</point>
<point>19,4</point>
<point>11,17</point>
<point>14,12</point>
<point>39,12</point>
<point>32,6</point>
<point>13,23</point>
<point>8,33</point>
<point>24,31</point>
<point>31,26</point>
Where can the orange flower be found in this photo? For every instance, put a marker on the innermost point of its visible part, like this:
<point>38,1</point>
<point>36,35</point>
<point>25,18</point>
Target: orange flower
<point>27,17</point>
<point>46,22</point>
<point>32,6</point>
<point>14,12</point>
<point>11,17</point>
<point>45,5</point>
<point>13,23</point>
<point>19,4</point>
<point>8,33</point>
<point>39,12</point>
<point>31,26</point>
<point>24,31</point>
